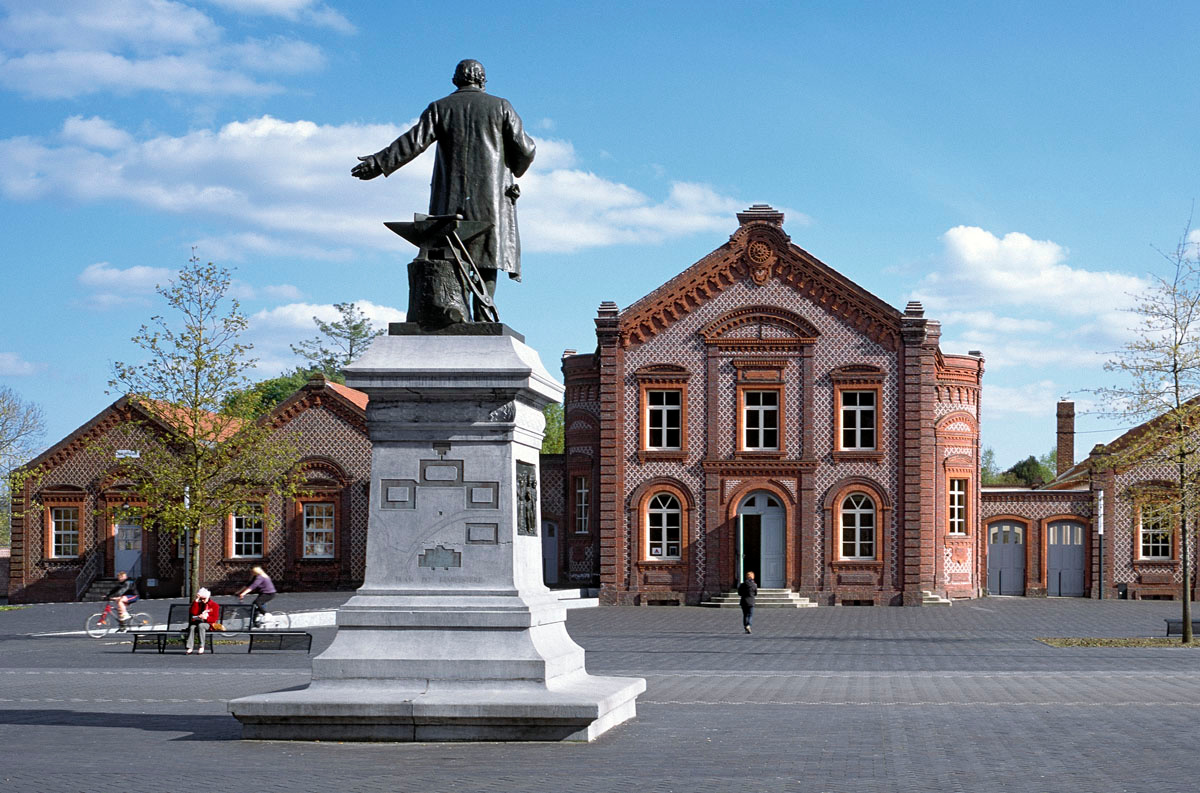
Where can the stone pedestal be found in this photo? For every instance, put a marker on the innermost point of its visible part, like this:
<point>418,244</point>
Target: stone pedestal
<point>452,636</point>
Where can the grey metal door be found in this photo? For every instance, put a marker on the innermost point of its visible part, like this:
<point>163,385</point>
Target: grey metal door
<point>1006,558</point>
<point>549,552</point>
<point>761,514</point>
<point>1065,559</point>
<point>128,552</point>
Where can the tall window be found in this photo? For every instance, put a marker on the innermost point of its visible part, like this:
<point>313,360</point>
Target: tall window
<point>1155,531</point>
<point>958,506</point>
<point>248,532</point>
<point>64,522</point>
<point>858,527</point>
<point>664,410</point>
<point>663,527</point>
<point>318,531</point>
<point>760,420</point>
<point>858,420</point>
<point>582,505</point>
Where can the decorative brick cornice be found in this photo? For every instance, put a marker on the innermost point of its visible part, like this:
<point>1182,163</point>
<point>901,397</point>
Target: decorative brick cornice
<point>759,467</point>
<point>857,374</point>
<point>758,251</point>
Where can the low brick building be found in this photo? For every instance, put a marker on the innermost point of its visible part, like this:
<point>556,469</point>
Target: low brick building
<point>66,537</point>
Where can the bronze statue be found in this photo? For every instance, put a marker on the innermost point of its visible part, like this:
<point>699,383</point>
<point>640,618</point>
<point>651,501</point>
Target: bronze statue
<point>471,231</point>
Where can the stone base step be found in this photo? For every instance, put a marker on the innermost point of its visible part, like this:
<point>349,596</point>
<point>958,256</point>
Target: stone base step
<point>98,590</point>
<point>767,599</point>
<point>930,599</point>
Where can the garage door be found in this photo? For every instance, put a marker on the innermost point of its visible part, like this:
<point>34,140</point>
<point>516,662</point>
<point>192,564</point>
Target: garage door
<point>1065,559</point>
<point>1006,558</point>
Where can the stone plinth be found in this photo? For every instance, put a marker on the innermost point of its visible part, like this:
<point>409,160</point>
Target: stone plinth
<point>452,636</point>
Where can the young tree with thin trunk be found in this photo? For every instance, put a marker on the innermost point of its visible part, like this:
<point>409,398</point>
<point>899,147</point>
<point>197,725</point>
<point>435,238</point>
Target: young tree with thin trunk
<point>1161,390</point>
<point>214,456</point>
<point>21,428</point>
<point>340,342</point>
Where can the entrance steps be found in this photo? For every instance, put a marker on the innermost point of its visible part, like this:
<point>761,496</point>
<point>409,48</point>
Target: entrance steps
<point>99,588</point>
<point>767,599</point>
<point>930,599</point>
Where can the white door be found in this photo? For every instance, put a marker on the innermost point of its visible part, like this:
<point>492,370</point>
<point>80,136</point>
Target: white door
<point>549,553</point>
<point>774,571</point>
<point>128,553</point>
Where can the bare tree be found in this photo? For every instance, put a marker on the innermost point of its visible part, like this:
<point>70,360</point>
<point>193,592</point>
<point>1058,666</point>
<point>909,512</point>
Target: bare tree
<point>1161,369</point>
<point>21,428</point>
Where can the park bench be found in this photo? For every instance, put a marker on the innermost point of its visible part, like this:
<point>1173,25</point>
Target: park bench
<point>236,619</point>
<point>1175,627</point>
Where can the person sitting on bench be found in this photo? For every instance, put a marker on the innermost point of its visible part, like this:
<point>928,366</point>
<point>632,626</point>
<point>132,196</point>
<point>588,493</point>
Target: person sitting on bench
<point>203,614</point>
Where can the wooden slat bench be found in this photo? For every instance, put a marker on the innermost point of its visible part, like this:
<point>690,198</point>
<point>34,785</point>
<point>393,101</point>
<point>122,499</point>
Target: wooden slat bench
<point>1175,627</point>
<point>235,617</point>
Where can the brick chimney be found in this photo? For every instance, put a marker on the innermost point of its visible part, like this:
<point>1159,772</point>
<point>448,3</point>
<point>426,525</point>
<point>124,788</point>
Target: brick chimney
<point>1066,435</point>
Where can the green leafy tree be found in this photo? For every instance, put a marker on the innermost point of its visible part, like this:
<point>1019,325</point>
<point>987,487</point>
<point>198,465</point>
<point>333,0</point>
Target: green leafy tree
<point>21,428</point>
<point>213,457</point>
<point>1028,472</point>
<point>1159,372</point>
<point>553,442</point>
<point>261,398</point>
<point>340,342</point>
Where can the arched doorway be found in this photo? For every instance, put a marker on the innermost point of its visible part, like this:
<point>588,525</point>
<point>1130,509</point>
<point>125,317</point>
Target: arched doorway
<point>760,522</point>
<point>1065,559</point>
<point>1006,558</point>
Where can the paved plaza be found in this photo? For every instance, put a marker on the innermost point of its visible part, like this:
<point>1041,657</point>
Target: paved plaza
<point>827,699</point>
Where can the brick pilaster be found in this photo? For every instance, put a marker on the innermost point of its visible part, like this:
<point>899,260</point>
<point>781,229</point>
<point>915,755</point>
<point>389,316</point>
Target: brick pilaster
<point>613,563</point>
<point>919,339</point>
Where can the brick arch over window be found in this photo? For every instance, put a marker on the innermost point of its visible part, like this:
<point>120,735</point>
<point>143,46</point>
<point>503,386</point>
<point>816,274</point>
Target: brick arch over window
<point>639,502</point>
<point>799,327</point>
<point>944,423</point>
<point>772,486</point>
<point>832,507</point>
<point>319,463</point>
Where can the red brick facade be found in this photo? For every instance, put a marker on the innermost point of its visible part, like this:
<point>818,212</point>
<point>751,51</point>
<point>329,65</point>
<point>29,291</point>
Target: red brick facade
<point>760,330</point>
<point>327,421</point>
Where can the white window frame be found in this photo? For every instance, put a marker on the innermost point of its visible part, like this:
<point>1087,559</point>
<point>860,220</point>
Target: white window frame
<point>858,420</point>
<point>766,419</point>
<point>309,536</point>
<point>242,528</point>
<point>858,519</point>
<point>63,526</point>
<point>1161,524</point>
<point>664,528</point>
<point>957,506</point>
<point>664,418</point>
<point>583,504</point>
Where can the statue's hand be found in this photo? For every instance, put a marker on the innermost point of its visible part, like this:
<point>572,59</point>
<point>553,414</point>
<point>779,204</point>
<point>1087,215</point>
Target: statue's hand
<point>366,169</point>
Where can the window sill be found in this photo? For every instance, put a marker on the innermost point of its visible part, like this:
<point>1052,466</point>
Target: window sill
<point>1156,562</point>
<point>671,455</point>
<point>857,563</point>
<point>963,536</point>
<point>659,563</point>
<point>858,456</point>
<point>758,454</point>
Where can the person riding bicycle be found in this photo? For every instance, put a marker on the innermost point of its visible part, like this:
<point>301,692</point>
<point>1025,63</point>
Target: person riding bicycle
<point>124,593</point>
<point>265,588</point>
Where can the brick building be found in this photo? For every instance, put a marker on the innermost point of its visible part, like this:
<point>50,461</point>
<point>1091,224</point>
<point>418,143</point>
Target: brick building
<point>762,412</point>
<point>1096,530</point>
<point>65,536</point>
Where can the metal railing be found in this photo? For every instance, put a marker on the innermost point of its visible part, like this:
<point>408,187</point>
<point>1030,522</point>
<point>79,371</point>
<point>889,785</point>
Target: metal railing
<point>88,573</point>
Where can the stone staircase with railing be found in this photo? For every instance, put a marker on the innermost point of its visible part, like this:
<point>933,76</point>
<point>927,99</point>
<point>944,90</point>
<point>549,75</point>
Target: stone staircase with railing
<point>98,589</point>
<point>767,599</point>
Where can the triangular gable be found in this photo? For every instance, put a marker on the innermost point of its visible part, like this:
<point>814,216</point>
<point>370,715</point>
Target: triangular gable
<point>349,403</point>
<point>760,250</point>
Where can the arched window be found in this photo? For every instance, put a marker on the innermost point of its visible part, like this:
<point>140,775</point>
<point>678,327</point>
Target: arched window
<point>858,526</point>
<point>664,521</point>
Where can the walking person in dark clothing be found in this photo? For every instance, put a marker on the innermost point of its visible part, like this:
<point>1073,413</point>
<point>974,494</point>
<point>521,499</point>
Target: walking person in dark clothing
<point>265,588</point>
<point>747,591</point>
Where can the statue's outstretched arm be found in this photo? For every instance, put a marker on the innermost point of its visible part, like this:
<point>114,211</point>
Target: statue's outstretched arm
<point>367,168</point>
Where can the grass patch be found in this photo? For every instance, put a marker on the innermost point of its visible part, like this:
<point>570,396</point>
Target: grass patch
<point>1087,641</point>
<point>11,608</point>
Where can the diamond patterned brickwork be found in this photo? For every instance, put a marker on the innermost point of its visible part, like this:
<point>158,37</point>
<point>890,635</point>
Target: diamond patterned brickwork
<point>1122,531</point>
<point>838,344</point>
<point>1034,506</point>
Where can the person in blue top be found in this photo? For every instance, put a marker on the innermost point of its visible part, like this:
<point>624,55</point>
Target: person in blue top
<point>263,585</point>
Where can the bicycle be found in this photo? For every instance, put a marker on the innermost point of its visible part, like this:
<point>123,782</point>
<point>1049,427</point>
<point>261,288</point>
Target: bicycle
<point>106,622</point>
<point>274,621</point>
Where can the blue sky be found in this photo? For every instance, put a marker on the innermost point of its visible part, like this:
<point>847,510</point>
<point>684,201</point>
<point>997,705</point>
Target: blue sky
<point>1013,165</point>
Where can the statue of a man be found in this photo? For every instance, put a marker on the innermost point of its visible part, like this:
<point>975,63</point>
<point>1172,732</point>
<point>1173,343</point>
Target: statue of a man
<point>481,147</point>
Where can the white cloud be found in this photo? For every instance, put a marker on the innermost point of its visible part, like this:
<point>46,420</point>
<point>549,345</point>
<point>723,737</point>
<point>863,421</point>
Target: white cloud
<point>308,203</point>
<point>13,365</point>
<point>80,47</point>
<point>1026,400</point>
<point>309,11</point>
<point>103,275</point>
<point>274,330</point>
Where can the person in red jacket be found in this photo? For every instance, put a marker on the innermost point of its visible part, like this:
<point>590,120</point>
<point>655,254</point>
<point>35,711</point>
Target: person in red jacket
<point>203,614</point>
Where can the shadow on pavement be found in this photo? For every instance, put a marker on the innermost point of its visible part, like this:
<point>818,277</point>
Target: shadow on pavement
<point>197,728</point>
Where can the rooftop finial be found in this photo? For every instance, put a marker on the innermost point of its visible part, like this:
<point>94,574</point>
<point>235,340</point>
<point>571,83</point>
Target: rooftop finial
<point>761,212</point>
